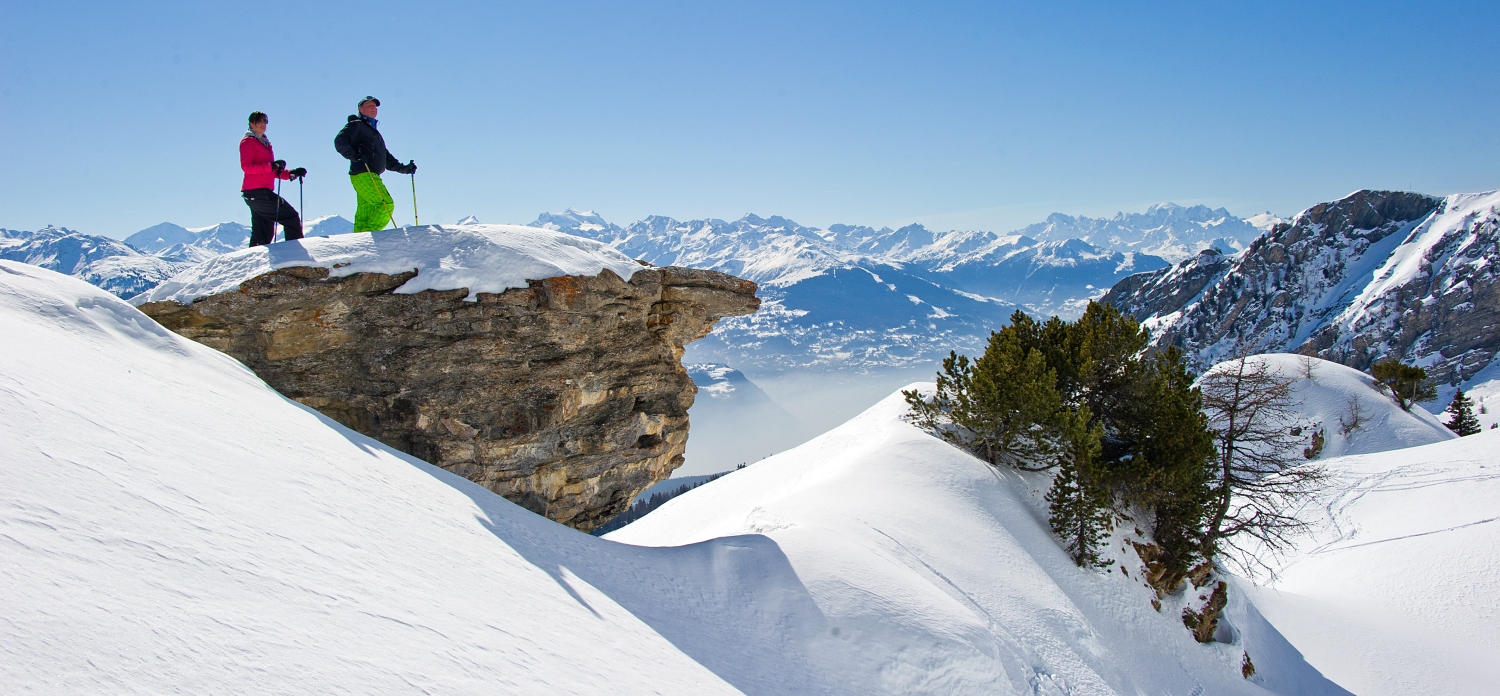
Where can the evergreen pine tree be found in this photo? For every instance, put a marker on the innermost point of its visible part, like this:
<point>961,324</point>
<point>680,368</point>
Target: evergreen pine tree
<point>1003,406</point>
<point>1084,397</point>
<point>1078,502</point>
<point>1171,473</point>
<point>1462,420</point>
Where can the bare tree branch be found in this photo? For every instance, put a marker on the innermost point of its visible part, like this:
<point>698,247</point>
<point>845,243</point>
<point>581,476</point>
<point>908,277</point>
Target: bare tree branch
<point>1261,471</point>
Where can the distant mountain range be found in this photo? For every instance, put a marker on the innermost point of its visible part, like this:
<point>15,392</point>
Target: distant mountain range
<point>1167,230</point>
<point>107,263</point>
<point>167,238</point>
<point>848,296</point>
<point>857,296</point>
<point>144,259</point>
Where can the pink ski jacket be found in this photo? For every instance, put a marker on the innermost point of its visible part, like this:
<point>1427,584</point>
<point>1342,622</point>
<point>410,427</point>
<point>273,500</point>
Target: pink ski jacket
<point>256,158</point>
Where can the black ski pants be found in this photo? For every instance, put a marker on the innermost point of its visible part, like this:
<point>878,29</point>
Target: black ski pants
<point>266,208</point>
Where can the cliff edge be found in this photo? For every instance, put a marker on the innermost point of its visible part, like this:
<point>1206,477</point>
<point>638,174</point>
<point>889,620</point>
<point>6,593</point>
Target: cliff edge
<point>544,367</point>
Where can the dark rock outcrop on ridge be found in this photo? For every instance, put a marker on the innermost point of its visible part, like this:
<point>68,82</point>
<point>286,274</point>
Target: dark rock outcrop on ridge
<point>567,397</point>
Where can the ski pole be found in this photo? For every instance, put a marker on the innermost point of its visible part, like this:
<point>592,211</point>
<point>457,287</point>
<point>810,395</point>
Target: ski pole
<point>301,204</point>
<point>414,214</point>
<point>277,216</point>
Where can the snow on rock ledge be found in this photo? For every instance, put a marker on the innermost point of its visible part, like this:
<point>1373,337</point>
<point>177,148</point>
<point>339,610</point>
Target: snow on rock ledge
<point>482,258</point>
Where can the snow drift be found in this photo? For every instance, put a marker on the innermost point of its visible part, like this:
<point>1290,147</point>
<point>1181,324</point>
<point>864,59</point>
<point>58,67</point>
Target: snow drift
<point>482,258</point>
<point>940,575</point>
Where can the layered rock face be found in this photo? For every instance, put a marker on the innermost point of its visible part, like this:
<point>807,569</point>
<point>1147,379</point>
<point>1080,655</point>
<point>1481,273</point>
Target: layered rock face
<point>567,397</point>
<point>1436,301</point>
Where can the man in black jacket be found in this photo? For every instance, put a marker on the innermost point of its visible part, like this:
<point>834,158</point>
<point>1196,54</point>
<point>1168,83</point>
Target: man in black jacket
<point>361,144</point>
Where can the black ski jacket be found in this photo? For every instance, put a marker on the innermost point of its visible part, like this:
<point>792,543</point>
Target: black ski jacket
<point>362,145</point>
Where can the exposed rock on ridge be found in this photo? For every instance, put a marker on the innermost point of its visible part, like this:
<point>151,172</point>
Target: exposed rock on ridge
<point>1435,302</point>
<point>1295,280</point>
<point>567,397</point>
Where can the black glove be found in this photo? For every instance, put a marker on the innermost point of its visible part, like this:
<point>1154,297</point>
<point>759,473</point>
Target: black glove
<point>278,166</point>
<point>299,172</point>
<point>411,167</point>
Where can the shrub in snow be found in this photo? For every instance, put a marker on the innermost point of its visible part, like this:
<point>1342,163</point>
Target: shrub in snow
<point>1407,383</point>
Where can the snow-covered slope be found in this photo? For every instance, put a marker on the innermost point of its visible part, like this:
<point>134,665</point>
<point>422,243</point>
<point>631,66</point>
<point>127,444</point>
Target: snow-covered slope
<point>1352,413</point>
<point>938,574</point>
<point>482,258</point>
<point>1398,592</point>
<point>170,524</point>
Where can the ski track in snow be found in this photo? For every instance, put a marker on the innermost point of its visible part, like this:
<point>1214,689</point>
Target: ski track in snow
<point>1396,591</point>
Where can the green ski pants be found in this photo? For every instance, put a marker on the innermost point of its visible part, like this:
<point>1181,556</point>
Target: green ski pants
<point>375,203</point>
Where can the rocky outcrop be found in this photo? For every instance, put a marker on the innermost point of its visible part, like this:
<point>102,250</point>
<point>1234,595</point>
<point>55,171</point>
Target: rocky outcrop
<point>567,397</point>
<point>1438,306</point>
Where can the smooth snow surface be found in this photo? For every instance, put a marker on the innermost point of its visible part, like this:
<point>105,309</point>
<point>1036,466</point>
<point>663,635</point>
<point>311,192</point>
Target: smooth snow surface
<point>482,258</point>
<point>935,573</point>
<point>1399,591</point>
<point>1329,399</point>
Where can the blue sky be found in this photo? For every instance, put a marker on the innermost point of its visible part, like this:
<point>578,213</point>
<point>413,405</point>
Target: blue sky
<point>958,115</point>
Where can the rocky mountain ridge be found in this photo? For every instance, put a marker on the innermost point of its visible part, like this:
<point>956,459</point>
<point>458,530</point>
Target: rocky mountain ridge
<point>1374,275</point>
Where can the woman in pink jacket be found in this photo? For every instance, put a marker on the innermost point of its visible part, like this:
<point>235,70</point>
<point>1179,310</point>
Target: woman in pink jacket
<point>262,169</point>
